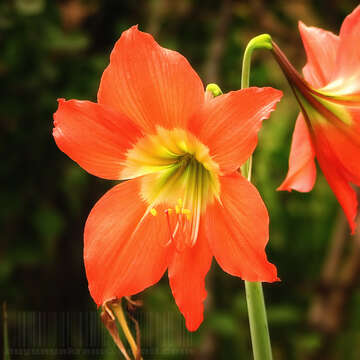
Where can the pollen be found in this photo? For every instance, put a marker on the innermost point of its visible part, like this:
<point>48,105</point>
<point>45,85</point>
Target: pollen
<point>179,209</point>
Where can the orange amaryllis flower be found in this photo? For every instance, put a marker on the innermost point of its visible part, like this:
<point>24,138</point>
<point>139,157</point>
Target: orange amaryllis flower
<point>328,126</point>
<point>179,151</point>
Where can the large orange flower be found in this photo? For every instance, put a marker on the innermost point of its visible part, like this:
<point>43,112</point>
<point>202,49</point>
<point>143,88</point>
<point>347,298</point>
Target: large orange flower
<point>179,151</point>
<point>329,125</point>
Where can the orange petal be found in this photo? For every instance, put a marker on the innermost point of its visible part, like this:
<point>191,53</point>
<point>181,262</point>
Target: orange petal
<point>150,84</point>
<point>349,50</point>
<point>338,154</point>
<point>94,136</point>
<point>124,252</point>
<point>187,272</point>
<point>321,49</point>
<point>228,124</point>
<point>302,170</point>
<point>341,144</point>
<point>238,230</point>
<point>339,184</point>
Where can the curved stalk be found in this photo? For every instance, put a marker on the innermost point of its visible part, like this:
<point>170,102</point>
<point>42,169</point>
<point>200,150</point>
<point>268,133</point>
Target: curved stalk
<point>259,330</point>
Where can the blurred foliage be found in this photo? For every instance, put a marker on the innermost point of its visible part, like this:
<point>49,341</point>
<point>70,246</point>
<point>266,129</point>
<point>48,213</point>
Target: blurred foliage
<point>53,49</point>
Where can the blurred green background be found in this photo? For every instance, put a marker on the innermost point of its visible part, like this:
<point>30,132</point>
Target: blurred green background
<point>53,49</point>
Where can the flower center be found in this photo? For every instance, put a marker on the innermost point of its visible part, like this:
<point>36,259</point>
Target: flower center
<point>180,174</point>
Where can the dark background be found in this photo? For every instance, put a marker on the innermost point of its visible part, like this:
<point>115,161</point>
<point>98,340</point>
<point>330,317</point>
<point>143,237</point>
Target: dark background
<point>53,49</point>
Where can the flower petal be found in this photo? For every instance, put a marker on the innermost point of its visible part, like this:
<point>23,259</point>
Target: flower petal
<point>94,136</point>
<point>228,124</point>
<point>124,250</point>
<point>321,49</point>
<point>342,143</point>
<point>187,272</point>
<point>302,170</point>
<point>349,50</point>
<point>238,230</point>
<point>338,153</point>
<point>344,193</point>
<point>150,84</point>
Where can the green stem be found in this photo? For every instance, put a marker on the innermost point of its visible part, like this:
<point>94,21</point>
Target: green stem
<point>262,41</point>
<point>259,42</point>
<point>258,321</point>
<point>254,294</point>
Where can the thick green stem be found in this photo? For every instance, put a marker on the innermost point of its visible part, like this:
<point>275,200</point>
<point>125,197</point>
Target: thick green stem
<point>254,294</point>
<point>259,42</point>
<point>258,321</point>
<point>262,41</point>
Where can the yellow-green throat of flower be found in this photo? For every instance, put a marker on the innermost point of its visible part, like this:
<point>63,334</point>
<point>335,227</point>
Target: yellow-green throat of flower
<point>180,175</point>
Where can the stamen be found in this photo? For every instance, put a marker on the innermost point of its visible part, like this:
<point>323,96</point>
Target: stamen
<point>195,228</point>
<point>181,237</point>
<point>169,224</point>
<point>197,196</point>
<point>180,226</point>
<point>153,212</point>
<point>187,213</point>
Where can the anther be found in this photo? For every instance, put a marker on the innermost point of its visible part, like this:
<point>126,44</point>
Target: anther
<point>186,212</point>
<point>153,212</point>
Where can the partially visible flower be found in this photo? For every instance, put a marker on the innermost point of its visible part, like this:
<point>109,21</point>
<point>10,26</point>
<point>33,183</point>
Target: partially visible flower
<point>183,200</point>
<point>328,126</point>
